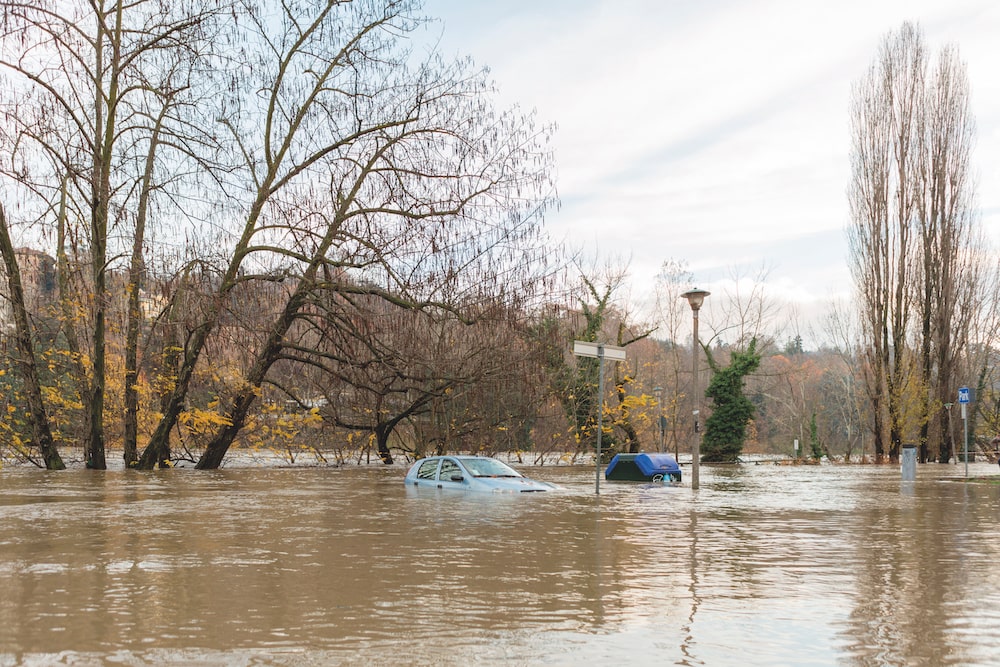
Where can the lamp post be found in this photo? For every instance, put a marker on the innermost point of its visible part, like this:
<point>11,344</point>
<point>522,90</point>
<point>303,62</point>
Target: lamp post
<point>658,392</point>
<point>695,298</point>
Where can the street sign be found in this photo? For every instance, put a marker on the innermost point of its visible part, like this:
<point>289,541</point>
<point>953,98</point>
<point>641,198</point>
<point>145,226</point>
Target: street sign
<point>963,394</point>
<point>583,348</point>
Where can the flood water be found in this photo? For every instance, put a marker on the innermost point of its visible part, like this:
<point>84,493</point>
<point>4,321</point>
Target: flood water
<point>764,565</point>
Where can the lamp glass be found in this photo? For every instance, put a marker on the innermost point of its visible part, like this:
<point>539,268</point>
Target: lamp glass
<point>695,297</point>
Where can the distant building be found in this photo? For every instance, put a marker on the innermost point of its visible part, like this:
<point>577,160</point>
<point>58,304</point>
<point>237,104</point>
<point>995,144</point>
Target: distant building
<point>38,279</point>
<point>151,304</point>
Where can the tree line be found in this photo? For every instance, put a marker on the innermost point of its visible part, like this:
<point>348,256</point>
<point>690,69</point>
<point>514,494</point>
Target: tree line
<point>213,149</point>
<point>295,226</point>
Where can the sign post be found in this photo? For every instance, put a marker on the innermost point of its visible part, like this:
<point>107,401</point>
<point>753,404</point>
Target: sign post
<point>601,351</point>
<point>963,400</point>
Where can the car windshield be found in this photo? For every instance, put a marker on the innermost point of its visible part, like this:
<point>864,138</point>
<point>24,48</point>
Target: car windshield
<point>489,468</point>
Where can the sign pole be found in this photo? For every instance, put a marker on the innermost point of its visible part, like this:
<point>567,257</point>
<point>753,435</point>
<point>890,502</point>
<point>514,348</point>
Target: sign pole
<point>600,417</point>
<point>582,348</point>
<point>963,400</point>
<point>965,426</point>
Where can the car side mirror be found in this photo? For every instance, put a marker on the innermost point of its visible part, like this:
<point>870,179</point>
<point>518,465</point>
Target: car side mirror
<point>457,478</point>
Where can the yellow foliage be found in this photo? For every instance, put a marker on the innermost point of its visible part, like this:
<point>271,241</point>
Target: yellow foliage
<point>203,421</point>
<point>55,397</point>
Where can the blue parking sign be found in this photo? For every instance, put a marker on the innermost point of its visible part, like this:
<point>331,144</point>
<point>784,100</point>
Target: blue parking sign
<point>963,394</point>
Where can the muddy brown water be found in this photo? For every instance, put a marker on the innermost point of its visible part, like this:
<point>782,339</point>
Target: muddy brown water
<point>764,565</point>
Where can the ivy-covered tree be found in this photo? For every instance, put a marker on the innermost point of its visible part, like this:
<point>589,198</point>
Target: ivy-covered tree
<point>814,443</point>
<point>582,400</point>
<point>725,429</point>
<point>577,384</point>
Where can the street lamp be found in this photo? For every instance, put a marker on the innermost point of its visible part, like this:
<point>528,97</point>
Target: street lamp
<point>695,297</point>
<point>658,392</point>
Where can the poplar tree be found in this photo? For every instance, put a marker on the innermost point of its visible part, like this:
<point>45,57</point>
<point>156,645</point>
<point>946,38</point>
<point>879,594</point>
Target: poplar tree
<point>913,238</point>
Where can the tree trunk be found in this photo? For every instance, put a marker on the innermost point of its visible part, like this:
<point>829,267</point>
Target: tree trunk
<point>67,304</point>
<point>382,433</point>
<point>104,125</point>
<point>37,417</point>
<point>247,394</point>
<point>157,450</point>
<point>134,314</point>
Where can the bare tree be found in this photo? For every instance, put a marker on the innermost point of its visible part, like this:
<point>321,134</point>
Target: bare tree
<point>912,237</point>
<point>81,78</point>
<point>427,192</point>
<point>38,418</point>
<point>852,409</point>
<point>951,245</point>
<point>286,144</point>
<point>882,197</point>
<point>980,364</point>
<point>743,311</point>
<point>383,367</point>
<point>597,318</point>
<point>672,314</point>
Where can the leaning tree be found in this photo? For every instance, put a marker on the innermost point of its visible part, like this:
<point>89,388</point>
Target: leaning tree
<point>362,169</point>
<point>321,145</point>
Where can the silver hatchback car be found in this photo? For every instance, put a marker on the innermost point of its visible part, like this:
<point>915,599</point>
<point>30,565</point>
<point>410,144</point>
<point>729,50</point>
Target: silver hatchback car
<point>472,473</point>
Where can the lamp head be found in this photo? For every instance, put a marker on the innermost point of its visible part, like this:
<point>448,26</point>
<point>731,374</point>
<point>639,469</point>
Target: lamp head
<point>695,297</point>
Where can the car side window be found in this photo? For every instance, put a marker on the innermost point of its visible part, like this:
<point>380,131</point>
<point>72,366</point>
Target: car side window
<point>427,469</point>
<point>449,468</point>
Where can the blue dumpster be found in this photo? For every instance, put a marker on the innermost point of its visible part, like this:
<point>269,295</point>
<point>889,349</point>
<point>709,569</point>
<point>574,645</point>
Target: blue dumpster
<point>643,468</point>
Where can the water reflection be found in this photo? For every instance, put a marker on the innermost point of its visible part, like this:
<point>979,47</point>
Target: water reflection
<point>688,643</point>
<point>763,565</point>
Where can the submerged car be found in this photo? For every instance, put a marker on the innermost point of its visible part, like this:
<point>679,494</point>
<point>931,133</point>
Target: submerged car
<point>472,473</point>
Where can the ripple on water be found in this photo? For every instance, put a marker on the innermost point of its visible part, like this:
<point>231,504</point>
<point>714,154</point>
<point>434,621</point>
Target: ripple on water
<point>319,566</point>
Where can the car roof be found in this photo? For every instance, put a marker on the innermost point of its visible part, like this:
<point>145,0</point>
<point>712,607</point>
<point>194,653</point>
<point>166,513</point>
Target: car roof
<point>459,456</point>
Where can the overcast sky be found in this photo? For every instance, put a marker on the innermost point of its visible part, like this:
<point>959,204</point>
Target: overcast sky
<point>715,132</point>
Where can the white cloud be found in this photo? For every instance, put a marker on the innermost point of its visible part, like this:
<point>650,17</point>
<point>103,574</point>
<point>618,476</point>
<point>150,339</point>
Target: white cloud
<point>715,132</point>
